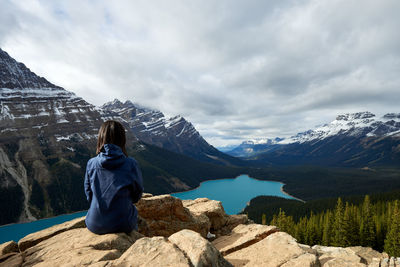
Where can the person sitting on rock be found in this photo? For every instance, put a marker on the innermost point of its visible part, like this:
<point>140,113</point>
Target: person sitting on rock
<point>113,181</point>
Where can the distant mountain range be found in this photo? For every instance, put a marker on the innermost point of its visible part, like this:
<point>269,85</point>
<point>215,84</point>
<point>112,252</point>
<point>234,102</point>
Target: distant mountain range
<point>47,134</point>
<point>355,139</point>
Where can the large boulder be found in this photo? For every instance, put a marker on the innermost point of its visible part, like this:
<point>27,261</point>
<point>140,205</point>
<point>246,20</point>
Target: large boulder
<point>277,249</point>
<point>368,255</point>
<point>221,223</point>
<point>165,215</point>
<point>243,236</point>
<point>37,237</point>
<point>152,251</point>
<point>213,209</point>
<point>338,256</point>
<point>200,252</point>
<point>78,247</point>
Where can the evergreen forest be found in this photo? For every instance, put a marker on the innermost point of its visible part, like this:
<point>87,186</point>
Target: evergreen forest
<point>368,224</point>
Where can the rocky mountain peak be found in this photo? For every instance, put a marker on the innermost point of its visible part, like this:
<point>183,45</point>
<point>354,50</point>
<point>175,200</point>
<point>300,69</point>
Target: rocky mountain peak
<point>152,126</point>
<point>392,116</point>
<point>15,75</point>
<point>355,116</point>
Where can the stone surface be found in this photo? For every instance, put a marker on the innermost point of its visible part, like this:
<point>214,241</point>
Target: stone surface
<point>243,236</point>
<point>12,259</point>
<point>232,222</point>
<point>166,215</point>
<point>8,247</point>
<point>235,220</point>
<point>375,262</point>
<point>211,208</point>
<point>368,254</point>
<point>77,247</point>
<point>333,254</point>
<point>154,251</point>
<point>340,262</point>
<point>37,237</point>
<point>200,252</point>
<point>275,250</point>
<point>303,260</point>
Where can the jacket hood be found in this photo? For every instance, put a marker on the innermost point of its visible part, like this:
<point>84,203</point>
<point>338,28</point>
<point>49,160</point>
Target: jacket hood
<point>111,156</point>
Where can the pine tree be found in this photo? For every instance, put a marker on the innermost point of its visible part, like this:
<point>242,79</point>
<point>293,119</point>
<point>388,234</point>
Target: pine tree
<point>301,230</point>
<point>392,241</point>
<point>283,222</point>
<point>367,227</point>
<point>350,226</point>
<point>338,229</point>
<point>327,234</point>
<point>311,231</point>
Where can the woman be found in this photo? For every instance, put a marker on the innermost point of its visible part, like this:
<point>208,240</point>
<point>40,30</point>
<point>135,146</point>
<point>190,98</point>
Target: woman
<point>113,182</point>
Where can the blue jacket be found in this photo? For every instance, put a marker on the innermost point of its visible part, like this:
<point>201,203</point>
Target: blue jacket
<point>113,182</point>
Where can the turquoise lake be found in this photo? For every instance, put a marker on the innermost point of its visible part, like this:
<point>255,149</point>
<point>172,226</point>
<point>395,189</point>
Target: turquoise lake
<point>19,230</point>
<point>233,193</point>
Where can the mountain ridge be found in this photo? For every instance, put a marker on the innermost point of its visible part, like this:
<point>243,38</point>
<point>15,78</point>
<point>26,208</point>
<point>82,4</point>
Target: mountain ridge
<point>173,133</point>
<point>352,139</point>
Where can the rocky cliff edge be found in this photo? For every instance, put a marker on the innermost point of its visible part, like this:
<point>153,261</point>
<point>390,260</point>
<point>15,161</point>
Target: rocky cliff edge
<point>177,233</point>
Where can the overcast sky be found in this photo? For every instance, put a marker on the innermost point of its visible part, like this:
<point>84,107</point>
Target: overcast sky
<point>236,69</point>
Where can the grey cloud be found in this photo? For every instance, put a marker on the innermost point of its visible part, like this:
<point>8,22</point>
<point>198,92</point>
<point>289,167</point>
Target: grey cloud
<point>237,70</point>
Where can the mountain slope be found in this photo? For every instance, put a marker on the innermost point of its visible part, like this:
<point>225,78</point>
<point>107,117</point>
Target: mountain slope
<point>175,134</point>
<point>45,132</point>
<point>357,139</point>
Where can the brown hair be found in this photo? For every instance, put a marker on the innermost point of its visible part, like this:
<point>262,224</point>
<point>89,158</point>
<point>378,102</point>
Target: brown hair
<point>111,132</point>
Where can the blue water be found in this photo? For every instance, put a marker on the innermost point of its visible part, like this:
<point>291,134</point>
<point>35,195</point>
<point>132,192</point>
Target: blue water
<point>19,230</point>
<point>234,193</point>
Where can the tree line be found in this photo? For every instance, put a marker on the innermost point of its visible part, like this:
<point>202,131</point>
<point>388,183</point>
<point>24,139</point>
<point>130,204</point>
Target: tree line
<point>367,224</point>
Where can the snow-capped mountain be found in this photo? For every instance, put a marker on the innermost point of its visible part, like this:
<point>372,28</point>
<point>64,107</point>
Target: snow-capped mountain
<point>351,139</point>
<point>175,133</point>
<point>31,103</point>
<point>361,124</point>
<point>150,124</point>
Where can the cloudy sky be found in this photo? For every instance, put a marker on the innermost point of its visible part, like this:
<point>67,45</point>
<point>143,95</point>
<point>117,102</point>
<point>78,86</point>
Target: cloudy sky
<point>236,69</point>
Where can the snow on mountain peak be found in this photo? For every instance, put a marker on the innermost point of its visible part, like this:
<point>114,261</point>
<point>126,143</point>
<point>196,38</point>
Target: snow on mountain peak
<point>351,124</point>
<point>392,116</point>
<point>15,75</point>
<point>355,116</point>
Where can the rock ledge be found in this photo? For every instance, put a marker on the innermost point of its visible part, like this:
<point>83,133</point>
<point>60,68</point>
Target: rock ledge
<point>173,233</point>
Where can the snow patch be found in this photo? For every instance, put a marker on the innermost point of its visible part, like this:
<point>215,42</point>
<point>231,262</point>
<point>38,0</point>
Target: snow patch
<point>5,112</point>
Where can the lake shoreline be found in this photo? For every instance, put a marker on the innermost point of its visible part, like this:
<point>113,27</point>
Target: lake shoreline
<point>282,190</point>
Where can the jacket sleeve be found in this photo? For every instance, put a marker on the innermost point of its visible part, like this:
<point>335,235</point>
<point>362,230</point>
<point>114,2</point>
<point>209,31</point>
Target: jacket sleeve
<point>137,184</point>
<point>88,189</point>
